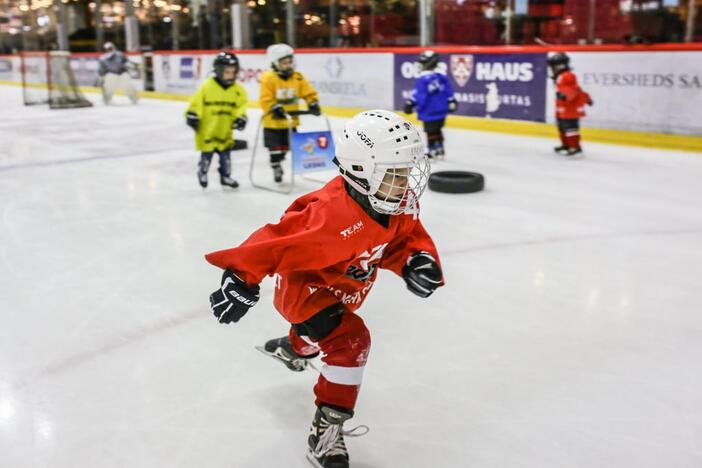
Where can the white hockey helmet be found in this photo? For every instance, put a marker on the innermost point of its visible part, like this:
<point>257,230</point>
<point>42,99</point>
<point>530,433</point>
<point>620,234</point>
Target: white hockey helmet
<point>108,46</point>
<point>381,155</point>
<point>277,52</point>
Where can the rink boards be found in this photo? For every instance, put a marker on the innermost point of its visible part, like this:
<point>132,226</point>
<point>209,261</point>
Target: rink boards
<point>643,89</point>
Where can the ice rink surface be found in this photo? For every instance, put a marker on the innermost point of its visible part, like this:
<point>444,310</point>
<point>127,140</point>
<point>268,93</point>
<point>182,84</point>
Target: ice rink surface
<point>569,333</point>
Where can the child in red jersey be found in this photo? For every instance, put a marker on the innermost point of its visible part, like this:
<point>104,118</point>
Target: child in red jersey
<point>325,254</point>
<point>570,104</point>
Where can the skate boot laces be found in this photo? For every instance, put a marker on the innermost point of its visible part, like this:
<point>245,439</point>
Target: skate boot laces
<point>331,442</point>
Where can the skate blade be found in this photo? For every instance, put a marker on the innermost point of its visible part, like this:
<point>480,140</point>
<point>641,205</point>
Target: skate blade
<point>283,362</point>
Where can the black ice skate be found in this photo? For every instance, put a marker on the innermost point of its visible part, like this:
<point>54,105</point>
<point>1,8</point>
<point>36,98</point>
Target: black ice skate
<point>202,178</point>
<point>325,444</point>
<point>436,151</point>
<point>281,350</point>
<point>277,173</point>
<point>227,181</point>
<point>573,151</point>
<point>560,149</point>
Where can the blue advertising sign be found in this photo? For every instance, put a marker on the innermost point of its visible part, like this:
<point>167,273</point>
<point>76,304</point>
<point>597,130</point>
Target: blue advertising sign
<point>190,67</point>
<point>312,151</point>
<point>5,66</point>
<point>506,86</point>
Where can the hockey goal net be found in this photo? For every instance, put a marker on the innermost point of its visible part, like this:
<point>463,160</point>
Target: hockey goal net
<point>47,78</point>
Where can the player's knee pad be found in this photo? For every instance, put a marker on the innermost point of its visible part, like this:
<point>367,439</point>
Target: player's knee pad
<point>348,344</point>
<point>359,339</point>
<point>277,156</point>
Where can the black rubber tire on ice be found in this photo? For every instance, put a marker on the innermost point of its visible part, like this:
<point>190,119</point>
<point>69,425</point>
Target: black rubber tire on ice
<point>456,182</point>
<point>239,145</point>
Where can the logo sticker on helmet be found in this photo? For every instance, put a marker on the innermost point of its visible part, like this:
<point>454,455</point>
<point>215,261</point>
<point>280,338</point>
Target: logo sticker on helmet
<point>365,139</point>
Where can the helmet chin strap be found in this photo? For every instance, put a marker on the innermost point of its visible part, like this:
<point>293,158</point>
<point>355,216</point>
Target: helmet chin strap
<point>359,184</point>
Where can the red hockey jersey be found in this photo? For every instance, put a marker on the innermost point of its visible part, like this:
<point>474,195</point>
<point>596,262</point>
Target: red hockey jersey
<point>325,249</point>
<point>573,106</point>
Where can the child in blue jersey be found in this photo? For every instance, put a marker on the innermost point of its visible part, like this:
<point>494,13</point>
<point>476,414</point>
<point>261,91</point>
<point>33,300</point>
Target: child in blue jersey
<point>433,99</point>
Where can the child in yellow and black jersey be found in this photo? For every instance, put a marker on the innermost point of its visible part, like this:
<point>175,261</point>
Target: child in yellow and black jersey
<point>281,89</point>
<point>218,106</point>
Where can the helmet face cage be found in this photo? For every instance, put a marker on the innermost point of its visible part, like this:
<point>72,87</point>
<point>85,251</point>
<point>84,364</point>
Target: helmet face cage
<point>396,188</point>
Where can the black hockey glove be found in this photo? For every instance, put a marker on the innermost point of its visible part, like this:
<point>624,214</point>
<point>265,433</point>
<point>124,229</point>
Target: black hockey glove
<point>278,111</point>
<point>240,123</point>
<point>233,299</point>
<point>192,120</point>
<point>314,108</point>
<point>422,274</point>
<point>590,102</point>
<point>409,107</point>
<point>560,96</point>
<point>452,104</point>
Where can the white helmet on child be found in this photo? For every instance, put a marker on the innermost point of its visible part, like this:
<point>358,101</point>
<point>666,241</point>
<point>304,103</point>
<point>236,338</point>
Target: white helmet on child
<point>276,52</point>
<point>381,155</point>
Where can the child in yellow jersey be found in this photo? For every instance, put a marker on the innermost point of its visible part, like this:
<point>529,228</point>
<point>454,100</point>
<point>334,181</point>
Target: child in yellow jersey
<point>216,108</point>
<point>281,89</point>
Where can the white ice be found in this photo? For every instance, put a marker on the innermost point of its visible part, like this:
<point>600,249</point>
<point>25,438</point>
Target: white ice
<point>569,333</point>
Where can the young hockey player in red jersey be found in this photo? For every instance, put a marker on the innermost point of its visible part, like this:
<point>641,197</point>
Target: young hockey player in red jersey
<point>324,255</point>
<point>570,104</point>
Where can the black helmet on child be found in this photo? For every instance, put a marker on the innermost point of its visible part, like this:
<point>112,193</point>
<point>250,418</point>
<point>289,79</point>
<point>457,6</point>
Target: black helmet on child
<point>222,61</point>
<point>429,59</point>
<point>559,61</point>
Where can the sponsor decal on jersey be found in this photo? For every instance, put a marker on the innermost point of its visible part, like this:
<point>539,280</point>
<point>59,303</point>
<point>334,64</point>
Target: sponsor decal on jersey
<point>359,274</point>
<point>350,231</point>
<point>355,297</point>
<point>461,68</point>
<point>367,264</point>
<point>376,253</point>
<point>285,96</point>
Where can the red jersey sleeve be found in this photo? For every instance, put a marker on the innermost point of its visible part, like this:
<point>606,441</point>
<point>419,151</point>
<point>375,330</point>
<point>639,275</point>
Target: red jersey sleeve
<point>298,242</point>
<point>401,248</point>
